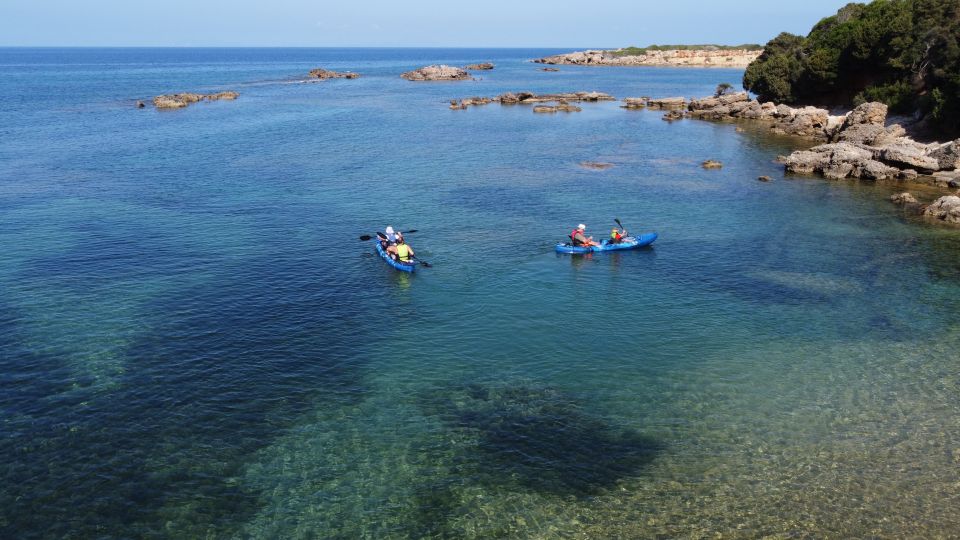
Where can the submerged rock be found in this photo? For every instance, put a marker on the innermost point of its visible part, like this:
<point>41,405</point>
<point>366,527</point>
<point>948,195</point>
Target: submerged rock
<point>437,73</point>
<point>140,104</point>
<point>549,69</point>
<point>711,164</point>
<point>764,178</point>
<point>903,198</point>
<point>672,115</point>
<point>596,165</point>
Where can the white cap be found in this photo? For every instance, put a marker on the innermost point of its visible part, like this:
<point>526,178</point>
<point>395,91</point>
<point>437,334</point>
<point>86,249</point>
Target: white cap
<point>389,229</point>
<point>581,226</point>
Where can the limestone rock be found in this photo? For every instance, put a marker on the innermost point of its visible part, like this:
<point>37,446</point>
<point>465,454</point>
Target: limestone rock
<point>667,103</point>
<point>903,198</point>
<point>324,74</point>
<point>947,155</point>
<point>945,209</point>
<point>873,113</point>
<point>437,73</point>
<point>179,101</point>
<point>711,164</point>
<point>634,103</point>
<point>906,153</point>
<point>672,116</point>
<point>479,67</point>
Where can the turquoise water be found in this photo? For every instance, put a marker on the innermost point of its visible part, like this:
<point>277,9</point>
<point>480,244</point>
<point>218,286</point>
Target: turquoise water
<point>195,344</point>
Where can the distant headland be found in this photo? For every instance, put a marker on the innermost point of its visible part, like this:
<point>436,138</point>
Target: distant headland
<point>662,55</point>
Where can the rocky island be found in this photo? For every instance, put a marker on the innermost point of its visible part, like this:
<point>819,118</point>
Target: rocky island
<point>706,56</point>
<point>179,101</point>
<point>324,74</point>
<point>437,73</point>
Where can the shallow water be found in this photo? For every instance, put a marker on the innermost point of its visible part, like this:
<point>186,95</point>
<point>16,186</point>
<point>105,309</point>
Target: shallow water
<point>195,344</point>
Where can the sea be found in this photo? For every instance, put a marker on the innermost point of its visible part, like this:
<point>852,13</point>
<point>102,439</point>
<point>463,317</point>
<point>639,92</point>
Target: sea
<point>196,343</point>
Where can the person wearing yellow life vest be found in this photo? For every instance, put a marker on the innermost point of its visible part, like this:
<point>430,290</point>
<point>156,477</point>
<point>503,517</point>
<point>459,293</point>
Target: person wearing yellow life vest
<point>617,235</point>
<point>401,251</point>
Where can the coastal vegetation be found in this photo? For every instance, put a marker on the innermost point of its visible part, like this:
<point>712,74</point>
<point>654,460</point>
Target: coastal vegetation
<point>904,53</point>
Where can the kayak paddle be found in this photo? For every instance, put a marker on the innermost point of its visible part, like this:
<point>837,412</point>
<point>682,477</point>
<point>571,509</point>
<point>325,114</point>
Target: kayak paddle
<point>421,261</point>
<point>366,237</point>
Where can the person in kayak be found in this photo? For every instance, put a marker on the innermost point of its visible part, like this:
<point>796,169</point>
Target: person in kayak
<point>617,235</point>
<point>401,252</point>
<point>577,238</point>
<point>392,236</point>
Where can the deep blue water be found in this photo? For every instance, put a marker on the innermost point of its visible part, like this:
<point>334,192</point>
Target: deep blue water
<point>194,342</point>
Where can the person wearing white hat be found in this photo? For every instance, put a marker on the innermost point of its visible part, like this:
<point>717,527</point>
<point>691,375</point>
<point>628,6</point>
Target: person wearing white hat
<point>578,238</point>
<point>392,236</point>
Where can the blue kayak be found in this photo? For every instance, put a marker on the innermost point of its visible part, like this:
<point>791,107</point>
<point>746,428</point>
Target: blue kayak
<point>403,267</point>
<point>627,243</point>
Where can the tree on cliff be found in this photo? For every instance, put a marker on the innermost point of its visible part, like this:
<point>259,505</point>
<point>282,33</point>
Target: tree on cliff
<point>905,53</point>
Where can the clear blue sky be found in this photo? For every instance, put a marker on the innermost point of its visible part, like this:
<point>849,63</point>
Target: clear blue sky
<point>395,23</point>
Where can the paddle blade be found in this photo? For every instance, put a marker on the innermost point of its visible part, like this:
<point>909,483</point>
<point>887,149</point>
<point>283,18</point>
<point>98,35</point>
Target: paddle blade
<point>618,222</point>
<point>365,237</point>
<point>410,231</point>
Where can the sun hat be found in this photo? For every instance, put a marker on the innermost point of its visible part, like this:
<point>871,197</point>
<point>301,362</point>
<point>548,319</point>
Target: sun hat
<point>581,226</point>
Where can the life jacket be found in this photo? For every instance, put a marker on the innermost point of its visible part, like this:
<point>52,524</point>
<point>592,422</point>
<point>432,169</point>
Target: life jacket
<point>403,252</point>
<point>615,235</point>
<point>573,235</point>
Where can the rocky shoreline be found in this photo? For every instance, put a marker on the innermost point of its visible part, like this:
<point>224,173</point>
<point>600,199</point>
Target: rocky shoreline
<point>672,57</point>
<point>858,144</point>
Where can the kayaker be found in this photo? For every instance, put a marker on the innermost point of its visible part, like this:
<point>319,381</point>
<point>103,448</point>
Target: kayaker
<point>392,236</point>
<point>577,238</point>
<point>401,252</point>
<point>617,235</point>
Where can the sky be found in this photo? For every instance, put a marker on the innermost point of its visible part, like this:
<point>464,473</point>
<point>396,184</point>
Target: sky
<point>398,23</point>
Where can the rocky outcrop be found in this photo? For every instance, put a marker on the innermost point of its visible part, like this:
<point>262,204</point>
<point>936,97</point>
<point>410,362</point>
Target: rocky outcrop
<point>516,98</point>
<point>857,144</point>
<point>324,74</point>
<point>179,101</point>
<point>946,209</point>
<point>437,73</point>
<point>711,164</point>
<point>484,66</point>
<point>667,103</point>
<point>674,57</point>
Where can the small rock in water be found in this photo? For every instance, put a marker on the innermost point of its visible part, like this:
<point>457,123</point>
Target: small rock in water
<point>673,115</point>
<point>711,164</point>
<point>903,198</point>
<point>549,69</point>
<point>140,104</point>
<point>479,67</point>
<point>764,178</point>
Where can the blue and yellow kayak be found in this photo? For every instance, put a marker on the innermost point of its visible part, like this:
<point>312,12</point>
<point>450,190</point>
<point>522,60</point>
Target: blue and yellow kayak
<point>627,243</point>
<point>403,267</point>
